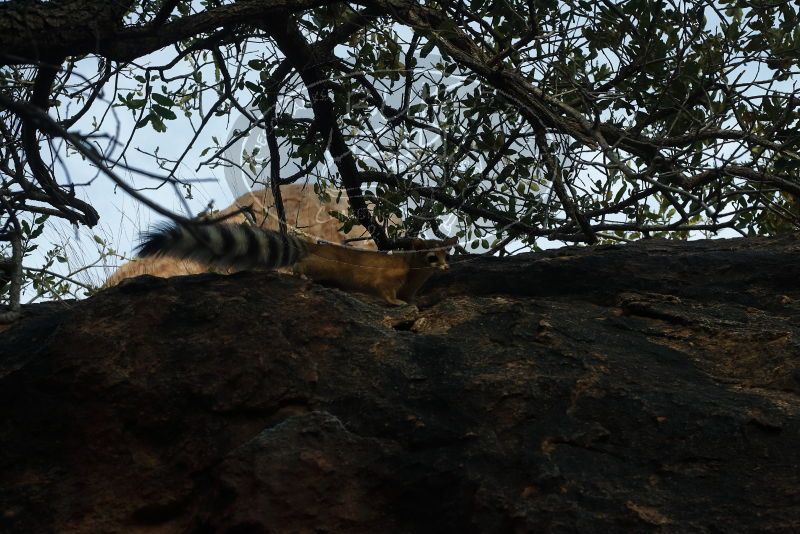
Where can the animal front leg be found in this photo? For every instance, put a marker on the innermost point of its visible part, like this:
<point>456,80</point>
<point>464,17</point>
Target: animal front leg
<point>390,295</point>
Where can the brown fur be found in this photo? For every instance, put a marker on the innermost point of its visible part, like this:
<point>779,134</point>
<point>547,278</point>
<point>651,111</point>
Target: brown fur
<point>162,267</point>
<point>304,212</point>
<point>396,276</point>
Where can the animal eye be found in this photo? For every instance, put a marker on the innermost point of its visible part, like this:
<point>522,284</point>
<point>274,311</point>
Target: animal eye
<point>447,256</point>
<point>432,258</point>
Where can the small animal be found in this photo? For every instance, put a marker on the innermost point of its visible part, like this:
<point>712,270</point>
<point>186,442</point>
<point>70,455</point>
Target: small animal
<point>304,211</point>
<point>395,276</point>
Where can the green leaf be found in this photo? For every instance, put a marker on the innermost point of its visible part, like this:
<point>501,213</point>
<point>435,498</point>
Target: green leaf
<point>135,103</point>
<point>143,121</point>
<point>158,124</point>
<point>164,112</point>
<point>163,100</point>
<point>426,48</point>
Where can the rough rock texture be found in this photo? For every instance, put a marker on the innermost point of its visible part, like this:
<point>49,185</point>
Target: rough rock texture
<point>648,388</point>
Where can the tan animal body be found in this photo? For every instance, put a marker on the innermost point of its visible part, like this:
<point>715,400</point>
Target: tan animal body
<point>304,212</point>
<point>395,276</point>
<point>162,267</point>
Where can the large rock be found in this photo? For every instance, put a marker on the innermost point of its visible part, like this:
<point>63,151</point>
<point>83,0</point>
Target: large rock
<point>651,387</point>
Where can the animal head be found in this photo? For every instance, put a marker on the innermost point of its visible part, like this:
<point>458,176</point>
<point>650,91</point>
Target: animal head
<point>431,253</point>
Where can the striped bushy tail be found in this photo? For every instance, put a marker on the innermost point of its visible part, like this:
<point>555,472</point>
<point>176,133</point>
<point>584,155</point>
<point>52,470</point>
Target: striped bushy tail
<point>224,245</point>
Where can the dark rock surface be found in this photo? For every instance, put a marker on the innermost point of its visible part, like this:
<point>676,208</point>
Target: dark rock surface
<point>648,388</point>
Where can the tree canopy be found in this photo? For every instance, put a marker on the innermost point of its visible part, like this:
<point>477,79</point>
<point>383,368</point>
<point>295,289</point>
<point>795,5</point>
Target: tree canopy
<point>511,123</point>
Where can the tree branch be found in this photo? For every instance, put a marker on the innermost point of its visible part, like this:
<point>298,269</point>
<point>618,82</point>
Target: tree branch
<point>306,60</point>
<point>40,98</point>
